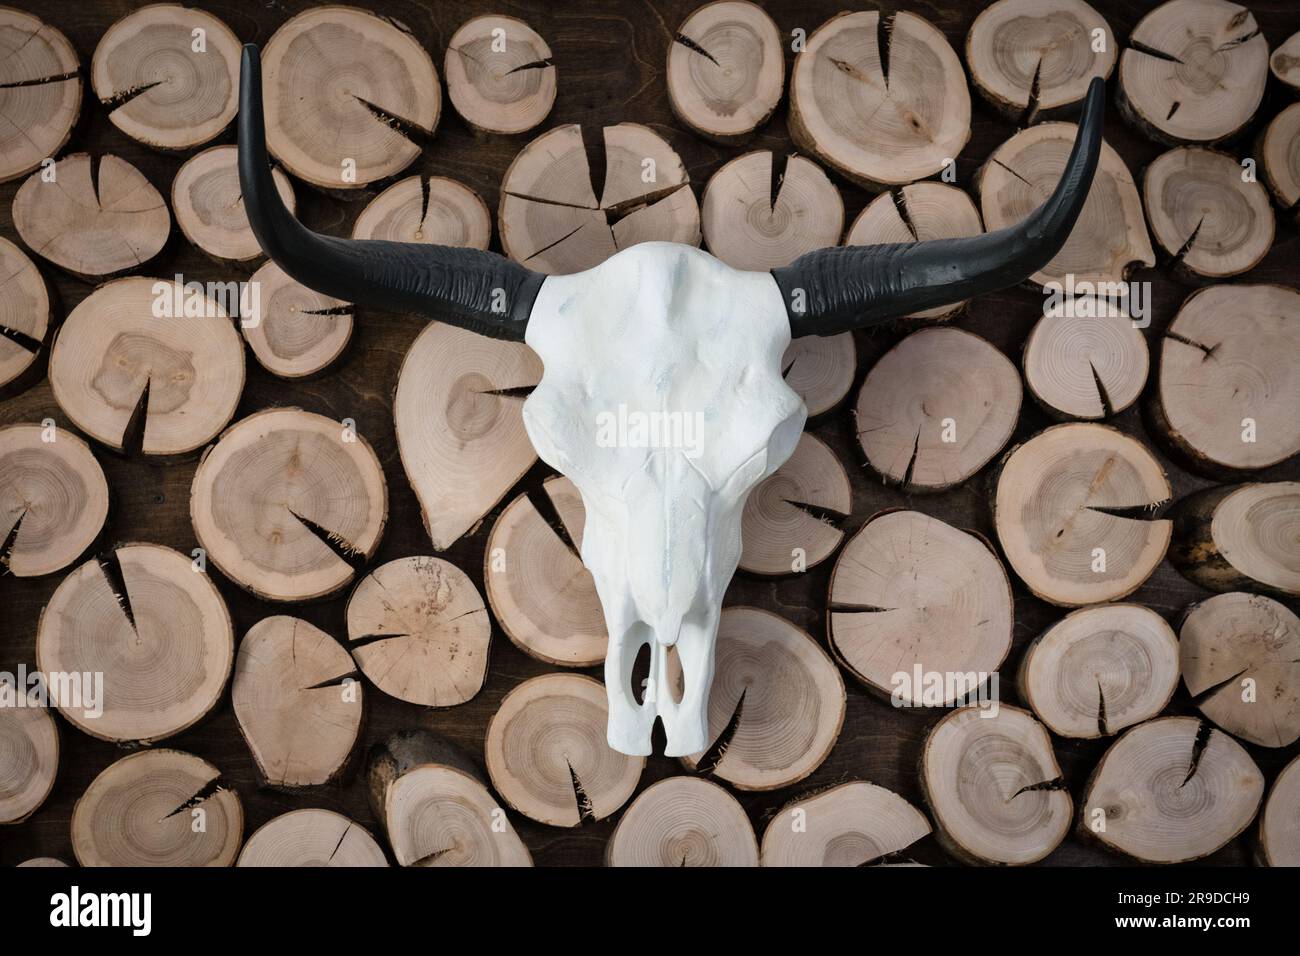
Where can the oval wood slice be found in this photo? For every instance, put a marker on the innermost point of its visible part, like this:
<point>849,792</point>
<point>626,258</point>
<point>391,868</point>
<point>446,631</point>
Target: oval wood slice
<point>297,702</point>
<point>683,821</point>
<point>350,97</point>
<point>1240,537</point>
<point>24,315</point>
<point>431,209</point>
<point>1171,790</point>
<point>1279,825</point>
<point>1101,669</point>
<point>1087,361</point>
<point>1285,62</point>
<point>499,75</point>
<point>852,824</point>
<point>209,204</point>
<point>29,757</point>
<point>1193,72</point>
<point>53,499</point>
<point>45,861</point>
<point>547,755</point>
<point>40,92</point>
<point>1279,151</point>
<point>289,505</point>
<point>1075,512</point>
<point>95,216</point>
<point>141,811</point>
<point>820,369</point>
<point>154,627</point>
<point>311,837</point>
<point>294,331</point>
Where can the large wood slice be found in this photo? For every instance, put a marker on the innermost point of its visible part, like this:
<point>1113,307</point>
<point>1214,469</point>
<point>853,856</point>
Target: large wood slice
<point>29,755</point>
<point>1285,62</point>
<point>289,505</point>
<point>293,331</point>
<point>1075,512</point>
<point>821,369</point>
<point>297,701</point>
<point>209,204</point>
<point>1087,361</point>
<point>145,810</point>
<point>1240,537</point>
<point>881,117</point>
<point>431,209</point>
<point>311,837</point>
<point>168,75</point>
<point>499,75</point>
<point>936,408</point>
<point>40,92</point>
<point>350,97</point>
<point>1101,669</point>
<point>154,627</point>
<point>24,317</point>
<point>1171,790</point>
<point>683,821</point>
<point>1278,149</point>
<point>994,787</point>
<point>852,824</point>
<point>1278,842</point>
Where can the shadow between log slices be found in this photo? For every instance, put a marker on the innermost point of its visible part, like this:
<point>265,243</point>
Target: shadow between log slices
<point>29,756</point>
<point>852,824</point>
<point>432,209</point>
<point>24,318</point>
<point>40,92</point>
<point>1278,840</point>
<point>1278,149</point>
<point>1086,361</point>
<point>1239,537</point>
<point>293,331</point>
<point>500,77</point>
<point>209,205</point>
<point>311,837</point>
<point>683,821</point>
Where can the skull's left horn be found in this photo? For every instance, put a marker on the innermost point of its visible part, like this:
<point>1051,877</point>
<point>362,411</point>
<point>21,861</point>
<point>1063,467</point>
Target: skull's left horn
<point>848,287</point>
<point>477,290</point>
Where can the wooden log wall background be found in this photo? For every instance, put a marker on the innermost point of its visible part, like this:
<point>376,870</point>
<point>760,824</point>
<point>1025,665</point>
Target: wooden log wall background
<point>609,64</point>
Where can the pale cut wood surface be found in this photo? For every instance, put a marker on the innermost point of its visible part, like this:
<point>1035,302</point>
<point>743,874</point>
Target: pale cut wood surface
<point>311,837</point>
<point>853,824</point>
<point>683,821</point>
<point>40,92</point>
<point>500,76</point>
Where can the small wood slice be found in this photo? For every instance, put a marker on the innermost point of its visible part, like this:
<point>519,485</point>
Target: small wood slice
<point>820,369</point>
<point>145,810</point>
<point>1279,825</point>
<point>1285,62</point>
<point>460,427</point>
<point>1029,58</point>
<point>881,117</point>
<point>776,705</point>
<point>1194,72</point>
<point>756,219</point>
<point>1088,361</point>
<point>24,314</point>
<point>40,92</point>
<point>936,408</point>
<point>209,204</point>
<point>431,209</point>
<point>29,756</point>
<point>289,505</point>
<point>311,837</point>
<point>683,821</point>
<point>852,824</point>
<point>1240,537</point>
<point>909,592</point>
<point>97,216</point>
<point>994,787</point>
<point>297,702</point>
<point>418,629</point>
<point>155,628</point>
<point>791,519</point>
<point>726,70</point>
<point>1171,790</point>
<point>1241,664</point>
<point>1279,152</point>
<point>1075,512</point>
<point>350,97</point>
<point>547,755</point>
<point>920,211</point>
<point>53,499</point>
<point>294,331</point>
<point>140,382</point>
<point>499,75</point>
<point>43,861</point>
<point>541,593</point>
<point>1101,669</point>
<point>1226,392</point>
<point>1110,235</point>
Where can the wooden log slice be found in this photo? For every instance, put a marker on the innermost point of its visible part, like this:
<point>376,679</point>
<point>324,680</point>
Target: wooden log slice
<point>311,837</point>
<point>821,369</point>
<point>1241,664</point>
<point>458,413</point>
<point>499,75</point>
<point>29,756</point>
<point>726,70</point>
<point>1278,842</point>
<point>154,627</point>
<point>1226,392</point>
<point>1075,512</point>
<point>40,92</point>
<point>909,592</point>
<point>53,499</point>
<point>791,519</point>
<point>24,315</point>
<point>145,810</point>
<point>1278,149</point>
<point>209,204</point>
<point>1285,62</point>
<point>297,702</point>
<point>1240,537</point>
<point>431,209</point>
<point>95,216</point>
<point>1101,669</point>
<point>143,382</point>
<point>350,97</point>
<point>1193,72</point>
<point>1171,790</point>
<point>294,331</point>
<point>683,821</point>
<point>936,408</point>
<point>547,755</point>
<point>852,824</point>
<point>1087,361</point>
<point>289,505</point>
<point>43,861</point>
<point>994,787</point>
<point>879,116</point>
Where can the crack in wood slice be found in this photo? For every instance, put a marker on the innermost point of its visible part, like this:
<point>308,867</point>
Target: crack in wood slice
<point>311,837</point>
<point>24,315</point>
<point>40,92</point>
<point>209,204</point>
<point>852,824</point>
<point>683,821</point>
<point>293,331</point>
<point>821,369</point>
<point>1278,149</point>
<point>432,209</point>
<point>790,521</point>
<point>1240,537</point>
<point>500,77</point>
<point>1088,361</point>
<point>1278,840</point>
<point>29,755</point>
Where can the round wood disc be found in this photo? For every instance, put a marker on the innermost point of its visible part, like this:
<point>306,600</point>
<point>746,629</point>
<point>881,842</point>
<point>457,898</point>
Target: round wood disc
<point>431,209</point>
<point>349,96</point>
<point>126,376</point>
<point>820,369</point>
<point>1086,362</point>
<point>209,204</point>
<point>40,92</point>
<point>29,758</point>
<point>683,821</point>
<point>294,331</point>
<point>852,824</point>
<point>499,75</point>
<point>289,504</point>
<point>1279,152</point>
<point>155,628</point>
<point>24,313</point>
<point>1240,537</point>
<point>143,811</point>
<point>1279,824</point>
<point>547,755</point>
<point>1285,62</point>
<point>311,837</point>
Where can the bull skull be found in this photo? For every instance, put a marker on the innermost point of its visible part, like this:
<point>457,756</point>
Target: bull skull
<point>662,397</point>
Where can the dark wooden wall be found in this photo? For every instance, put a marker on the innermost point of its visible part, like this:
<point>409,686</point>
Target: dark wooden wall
<point>611,58</point>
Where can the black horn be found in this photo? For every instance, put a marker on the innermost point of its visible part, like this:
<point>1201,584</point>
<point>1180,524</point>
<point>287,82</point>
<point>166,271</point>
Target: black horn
<point>848,287</point>
<point>477,290</point>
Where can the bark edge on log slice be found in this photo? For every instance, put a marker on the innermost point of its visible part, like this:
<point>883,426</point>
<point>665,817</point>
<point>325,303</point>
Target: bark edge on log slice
<point>1278,149</point>
<point>1240,537</point>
